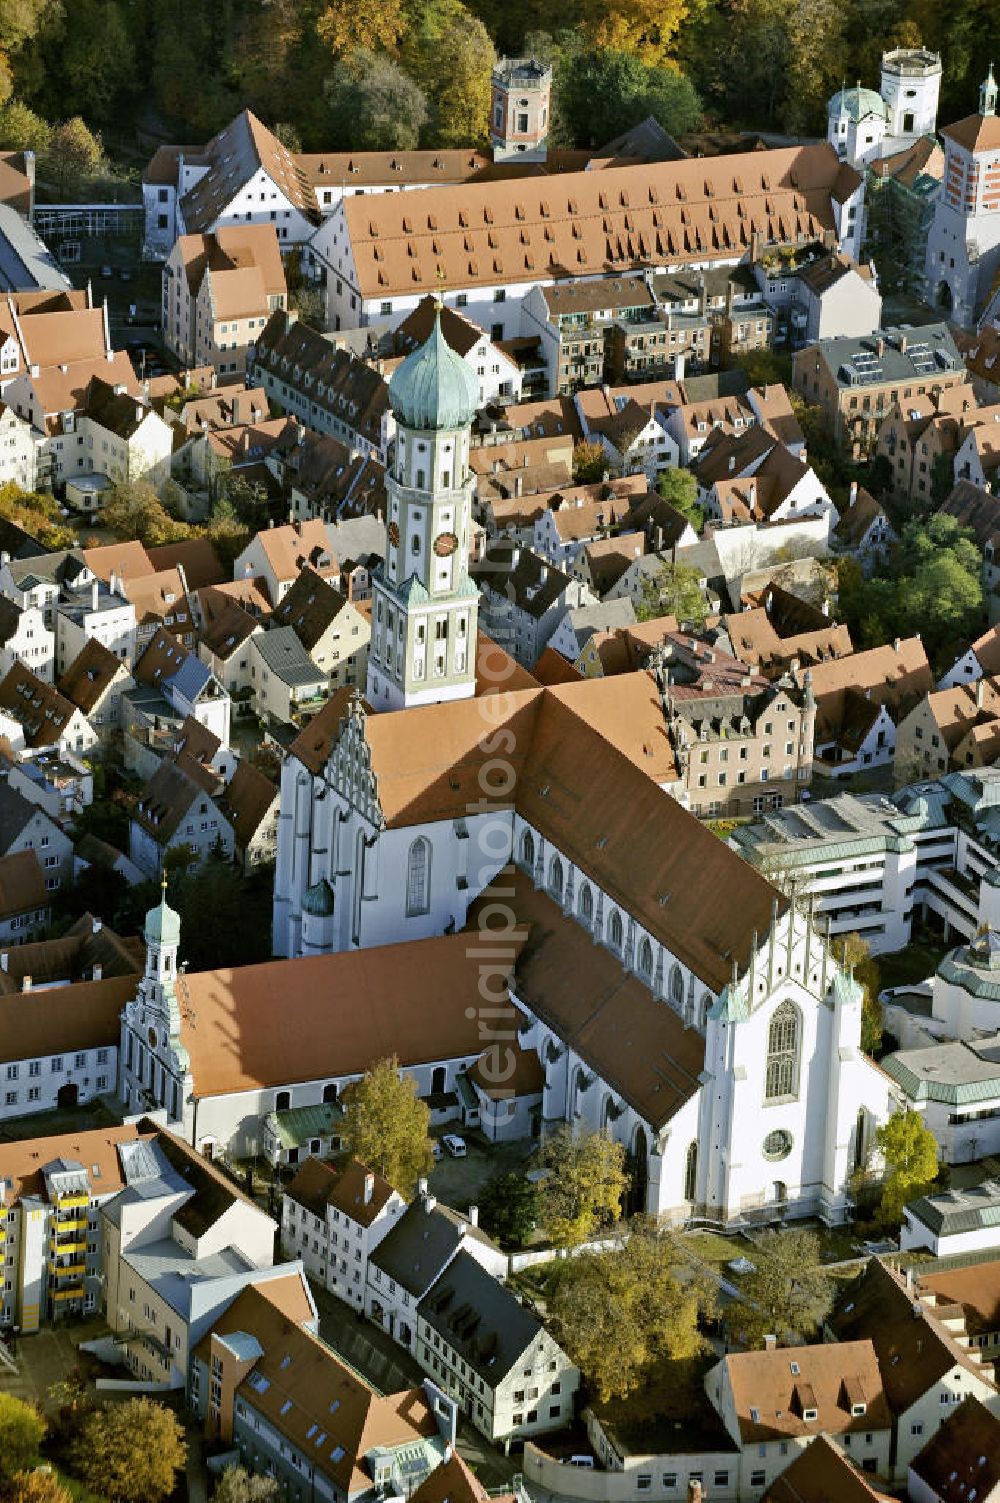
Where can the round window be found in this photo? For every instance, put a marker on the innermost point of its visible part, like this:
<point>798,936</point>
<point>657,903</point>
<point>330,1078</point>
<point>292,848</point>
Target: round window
<point>778,1144</point>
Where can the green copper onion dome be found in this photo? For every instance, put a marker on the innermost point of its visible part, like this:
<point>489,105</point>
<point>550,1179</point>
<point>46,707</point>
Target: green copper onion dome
<point>318,899</point>
<point>434,388</point>
<point>163,925</point>
<point>858,104</point>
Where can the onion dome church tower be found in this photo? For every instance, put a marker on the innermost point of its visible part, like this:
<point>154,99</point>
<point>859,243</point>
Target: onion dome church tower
<point>424,605</point>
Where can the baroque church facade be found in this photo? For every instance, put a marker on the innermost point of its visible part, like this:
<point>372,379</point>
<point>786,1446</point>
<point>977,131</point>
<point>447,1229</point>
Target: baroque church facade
<point>663,991</point>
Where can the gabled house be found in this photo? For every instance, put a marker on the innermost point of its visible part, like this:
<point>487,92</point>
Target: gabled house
<point>349,1211</point>
<point>332,630</point>
<point>219,290</point>
<point>25,638</point>
<point>926,1363</point>
<point>25,826</point>
<point>950,729</point>
<point>185,682</point>
<point>864,531</point>
<point>286,681</point>
<point>775,1403</point>
<point>277,556</point>
<point>523,599</point>
<point>223,637</point>
<point>250,804</point>
<point>961,1463</point>
<point>863,703</point>
<point>179,809</point>
<point>25,905</point>
<point>95,682</point>
<point>38,715</point>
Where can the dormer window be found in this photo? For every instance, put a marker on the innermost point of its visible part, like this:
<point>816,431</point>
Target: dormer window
<point>810,1415</point>
<point>859,1409</point>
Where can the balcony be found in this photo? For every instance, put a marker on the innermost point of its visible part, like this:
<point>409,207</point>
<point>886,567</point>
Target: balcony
<point>71,1202</point>
<point>75,1292</point>
<point>71,1224</point>
<point>67,1270</point>
<point>63,1249</point>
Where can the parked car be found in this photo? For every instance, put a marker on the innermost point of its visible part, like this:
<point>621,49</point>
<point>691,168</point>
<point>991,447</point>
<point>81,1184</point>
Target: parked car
<point>106,273</point>
<point>437,1150</point>
<point>455,1145</point>
<point>586,1462</point>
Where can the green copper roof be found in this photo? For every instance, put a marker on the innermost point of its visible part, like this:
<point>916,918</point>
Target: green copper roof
<point>732,1005</point>
<point>163,925</point>
<point>434,388</point>
<point>858,103</point>
<point>318,899</point>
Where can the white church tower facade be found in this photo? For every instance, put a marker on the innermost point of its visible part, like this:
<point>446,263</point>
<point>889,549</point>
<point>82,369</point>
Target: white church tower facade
<point>424,605</point>
<point>963,246</point>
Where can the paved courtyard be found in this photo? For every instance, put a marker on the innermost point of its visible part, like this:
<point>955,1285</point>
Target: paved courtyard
<point>46,1358</point>
<point>459,1182</point>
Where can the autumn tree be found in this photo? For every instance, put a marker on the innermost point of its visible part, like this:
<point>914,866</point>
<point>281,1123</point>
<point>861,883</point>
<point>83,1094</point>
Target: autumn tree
<point>21,1430</point>
<point>620,1314</point>
<point>582,1192</point>
<point>910,1152</point>
<point>857,954</point>
<point>449,51</point>
<point>375,105</point>
<point>133,510</point>
<point>673,590</point>
<point>788,1293</point>
<point>371,25</point>
<point>237,1485</point>
<point>385,1125</point>
<point>36,1487</point>
<point>590,463</point>
<point>642,28</point>
<point>73,156</point>
<point>130,1453</point>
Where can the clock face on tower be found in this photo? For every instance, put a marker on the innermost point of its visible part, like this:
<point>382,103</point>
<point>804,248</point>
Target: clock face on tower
<point>392,532</point>
<point>445,544</point>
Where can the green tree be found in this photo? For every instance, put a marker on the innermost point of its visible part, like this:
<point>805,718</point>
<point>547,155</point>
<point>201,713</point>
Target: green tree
<point>789,1292</point>
<point>228,534</point>
<point>224,914</point>
<point>582,1192</point>
<point>98,30</point>
<point>620,1314</point>
<point>130,1453</point>
<point>910,1152</point>
<point>942,479</point>
<point>237,1485</point>
<point>133,510</point>
<point>857,954</point>
<point>385,1125</point>
<point>680,489</point>
<point>674,590</point>
<point>21,1430</point>
<point>73,156</point>
<point>508,1206</point>
<point>373,25</point>
<point>22,130</point>
<point>249,501</point>
<point>375,105</point>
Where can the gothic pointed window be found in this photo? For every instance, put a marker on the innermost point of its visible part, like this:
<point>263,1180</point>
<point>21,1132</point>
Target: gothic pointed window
<point>783,1041</point>
<point>586,903</point>
<point>677,986</point>
<point>704,1010</point>
<point>418,877</point>
<point>556,879</point>
<point>645,959</point>
<point>528,849</point>
<point>615,931</point>
<point>691,1173</point>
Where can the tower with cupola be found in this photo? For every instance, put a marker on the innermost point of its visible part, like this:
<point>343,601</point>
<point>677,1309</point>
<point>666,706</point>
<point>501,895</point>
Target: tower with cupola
<point>963,243</point>
<point>424,605</point>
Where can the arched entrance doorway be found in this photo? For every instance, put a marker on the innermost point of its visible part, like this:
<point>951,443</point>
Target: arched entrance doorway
<point>68,1095</point>
<point>943,298</point>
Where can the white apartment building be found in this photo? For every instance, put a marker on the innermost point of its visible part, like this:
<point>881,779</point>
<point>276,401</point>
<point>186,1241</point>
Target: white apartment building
<point>25,638</point>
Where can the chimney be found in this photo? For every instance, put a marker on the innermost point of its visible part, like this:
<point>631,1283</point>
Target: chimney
<point>94,591</point>
<point>695,1494</point>
<point>909,1281</point>
<point>98,971</point>
<point>903,341</point>
<point>770,1342</point>
<point>26,984</point>
<point>429,1202</point>
<point>473,1215</point>
<point>854,491</point>
<point>880,346</point>
<point>4,960</point>
<point>369,1188</point>
<point>980,692</point>
<point>732,463</point>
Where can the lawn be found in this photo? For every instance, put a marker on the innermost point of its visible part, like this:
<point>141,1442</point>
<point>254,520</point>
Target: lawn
<point>918,961</point>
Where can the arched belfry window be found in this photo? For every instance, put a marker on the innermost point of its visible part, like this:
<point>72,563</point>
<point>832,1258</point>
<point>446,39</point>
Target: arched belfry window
<point>418,877</point>
<point>784,1038</point>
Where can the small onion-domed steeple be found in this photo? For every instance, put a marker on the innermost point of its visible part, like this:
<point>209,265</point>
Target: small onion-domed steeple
<point>434,388</point>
